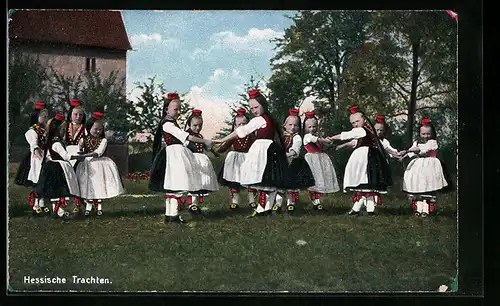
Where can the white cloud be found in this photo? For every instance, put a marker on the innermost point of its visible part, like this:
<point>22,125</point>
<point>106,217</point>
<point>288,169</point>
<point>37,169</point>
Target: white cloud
<point>255,42</point>
<point>141,40</point>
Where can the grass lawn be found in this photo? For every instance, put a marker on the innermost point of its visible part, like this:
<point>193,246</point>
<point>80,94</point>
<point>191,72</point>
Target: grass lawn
<point>224,251</point>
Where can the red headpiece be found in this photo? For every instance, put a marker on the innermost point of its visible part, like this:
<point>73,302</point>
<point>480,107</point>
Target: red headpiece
<point>59,117</point>
<point>380,119</point>
<point>354,109</point>
<point>310,114</point>
<point>39,105</point>
<point>241,111</point>
<point>425,121</point>
<point>97,115</point>
<point>173,96</point>
<point>196,112</point>
<point>74,102</point>
<point>254,93</point>
<point>293,112</point>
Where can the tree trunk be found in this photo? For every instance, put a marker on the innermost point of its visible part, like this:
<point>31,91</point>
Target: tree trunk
<point>412,103</point>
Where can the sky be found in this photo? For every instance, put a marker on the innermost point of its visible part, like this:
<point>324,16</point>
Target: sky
<point>207,55</point>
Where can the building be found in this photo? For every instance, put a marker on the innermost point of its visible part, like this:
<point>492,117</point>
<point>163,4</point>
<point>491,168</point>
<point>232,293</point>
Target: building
<point>72,41</point>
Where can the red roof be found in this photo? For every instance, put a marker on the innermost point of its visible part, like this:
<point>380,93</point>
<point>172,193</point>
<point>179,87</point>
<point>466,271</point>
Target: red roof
<point>96,28</point>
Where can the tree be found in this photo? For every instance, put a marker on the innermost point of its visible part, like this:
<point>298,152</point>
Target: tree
<point>316,49</point>
<point>416,52</point>
<point>242,102</point>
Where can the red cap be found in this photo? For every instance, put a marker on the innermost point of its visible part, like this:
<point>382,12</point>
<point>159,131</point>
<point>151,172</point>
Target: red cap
<point>39,105</point>
<point>74,102</point>
<point>196,112</point>
<point>173,96</point>
<point>380,119</point>
<point>425,122</point>
<point>254,93</point>
<point>354,109</point>
<point>293,112</point>
<point>241,111</point>
<point>59,117</point>
<point>310,115</point>
<point>97,115</point>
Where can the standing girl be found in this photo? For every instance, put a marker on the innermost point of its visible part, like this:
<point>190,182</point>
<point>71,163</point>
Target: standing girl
<point>424,175</point>
<point>194,125</point>
<point>57,178</point>
<point>367,171</point>
<point>265,165</point>
<point>382,130</point>
<point>181,170</point>
<point>231,173</point>
<point>75,132</point>
<point>98,176</point>
<point>29,170</point>
<point>325,177</point>
<point>299,175</point>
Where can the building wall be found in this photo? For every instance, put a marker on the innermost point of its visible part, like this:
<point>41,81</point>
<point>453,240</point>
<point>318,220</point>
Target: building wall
<point>71,60</point>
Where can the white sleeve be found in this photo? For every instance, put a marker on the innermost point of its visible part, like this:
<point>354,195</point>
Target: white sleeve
<point>296,144</point>
<point>80,144</point>
<point>254,124</point>
<point>102,147</point>
<point>388,148</point>
<point>57,146</point>
<point>308,138</point>
<point>170,128</point>
<point>430,145</point>
<point>32,138</point>
<point>355,133</point>
<point>411,154</point>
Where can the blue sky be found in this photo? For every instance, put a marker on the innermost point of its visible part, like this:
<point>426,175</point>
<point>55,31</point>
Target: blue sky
<point>209,54</point>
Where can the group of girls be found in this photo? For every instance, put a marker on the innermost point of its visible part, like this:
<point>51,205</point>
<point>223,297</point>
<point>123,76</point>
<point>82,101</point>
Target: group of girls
<point>272,164</point>
<point>66,160</point>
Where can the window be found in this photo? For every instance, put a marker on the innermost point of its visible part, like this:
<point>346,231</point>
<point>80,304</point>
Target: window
<point>90,64</point>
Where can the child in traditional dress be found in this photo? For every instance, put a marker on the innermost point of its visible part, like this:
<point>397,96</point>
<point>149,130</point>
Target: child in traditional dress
<point>325,177</point>
<point>367,172</point>
<point>231,172</point>
<point>181,170</point>
<point>424,175</point>
<point>194,125</point>
<point>265,165</point>
<point>57,178</point>
<point>29,170</point>
<point>98,175</point>
<point>75,132</point>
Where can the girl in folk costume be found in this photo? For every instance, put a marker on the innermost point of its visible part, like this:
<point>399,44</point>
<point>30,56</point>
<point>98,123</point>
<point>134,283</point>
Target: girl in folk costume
<point>299,175</point>
<point>98,176</point>
<point>57,178</point>
<point>181,170</point>
<point>265,165</point>
<point>194,125</point>
<point>367,172</point>
<point>325,177</point>
<point>231,173</point>
<point>424,175</point>
<point>76,131</point>
<point>29,169</point>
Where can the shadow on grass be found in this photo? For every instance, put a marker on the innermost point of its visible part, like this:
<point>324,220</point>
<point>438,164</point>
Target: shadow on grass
<point>218,214</point>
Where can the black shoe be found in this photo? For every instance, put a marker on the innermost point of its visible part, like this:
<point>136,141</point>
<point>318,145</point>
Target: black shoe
<point>424,215</point>
<point>87,213</point>
<point>234,206</point>
<point>66,216</point>
<point>46,210</point>
<point>353,213</point>
<point>275,210</point>
<point>253,215</point>
<point>253,205</point>
<point>194,210</point>
<point>319,207</point>
<point>290,209</point>
<point>417,214</point>
<point>99,212</point>
<point>174,219</point>
<point>371,213</point>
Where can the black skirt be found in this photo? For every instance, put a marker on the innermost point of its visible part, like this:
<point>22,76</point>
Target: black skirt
<point>52,182</point>
<point>299,174</point>
<point>226,183</point>
<point>23,172</point>
<point>276,168</point>
<point>157,175</point>
<point>378,171</point>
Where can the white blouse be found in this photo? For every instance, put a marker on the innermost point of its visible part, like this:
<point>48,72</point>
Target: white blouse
<point>253,125</point>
